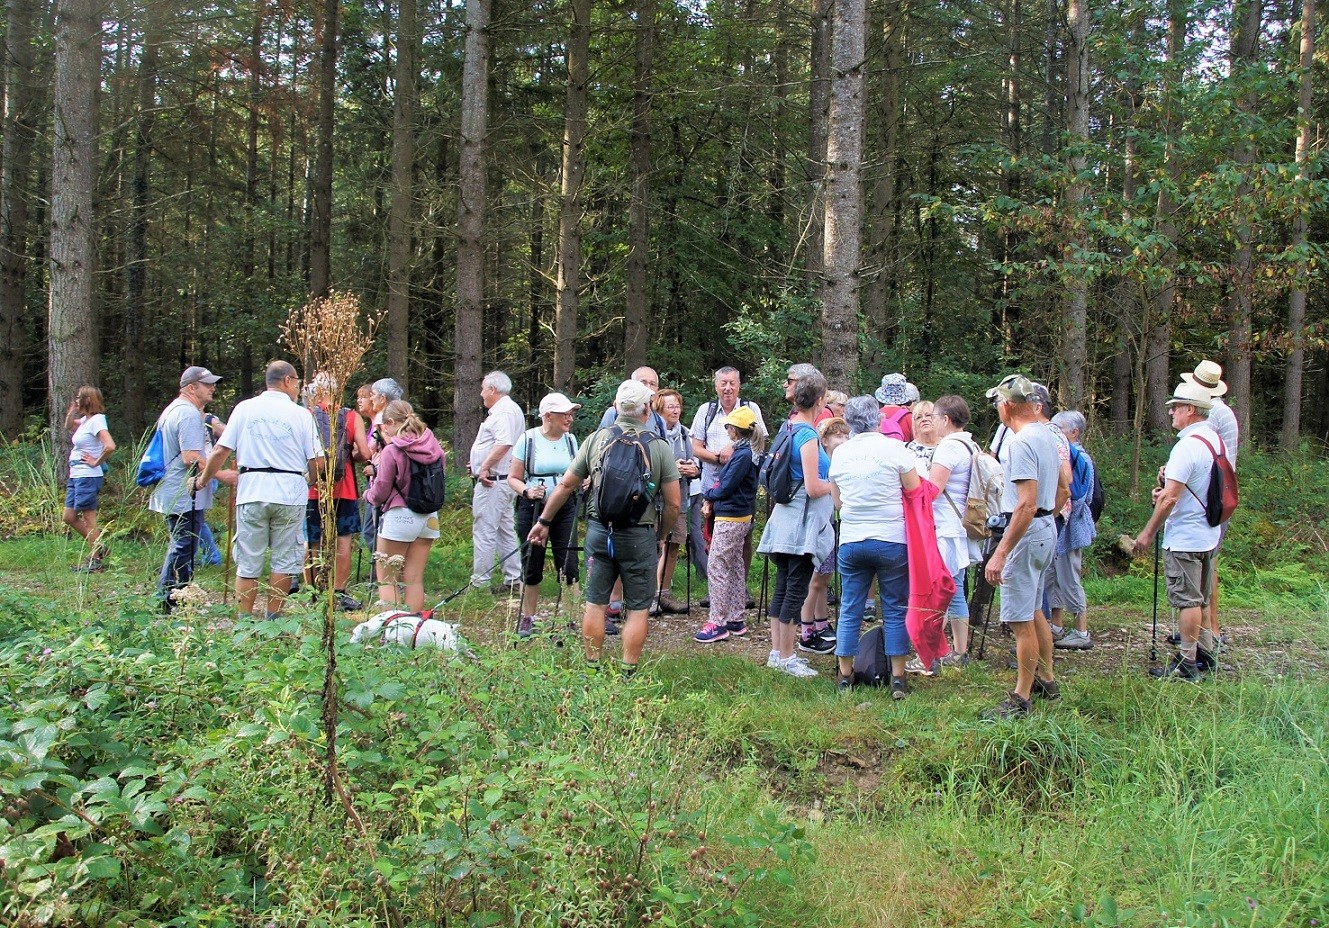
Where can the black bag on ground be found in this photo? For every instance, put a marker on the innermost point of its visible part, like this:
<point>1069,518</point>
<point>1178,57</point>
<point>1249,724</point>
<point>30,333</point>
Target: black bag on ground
<point>428,487</point>
<point>871,665</point>
<point>624,484</point>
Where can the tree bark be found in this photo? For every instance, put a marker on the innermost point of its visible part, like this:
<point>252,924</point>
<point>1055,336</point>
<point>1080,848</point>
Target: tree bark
<point>24,101</point>
<point>399,217</point>
<point>844,195</point>
<point>1158,326</point>
<point>1245,42</point>
<point>136,303</point>
<point>320,194</point>
<point>882,207</point>
<point>1074,344</point>
<point>638,312</point>
<point>72,313</point>
<point>468,339</point>
<point>570,201</point>
<point>1012,136</point>
<point>1290,436</point>
<point>819,97</point>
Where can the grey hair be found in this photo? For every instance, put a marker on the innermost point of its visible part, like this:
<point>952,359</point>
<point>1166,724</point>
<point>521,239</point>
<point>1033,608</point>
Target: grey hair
<point>632,410</point>
<point>799,371</point>
<point>1070,420</point>
<point>499,381</point>
<point>387,388</point>
<point>277,372</point>
<point>863,413</point>
<point>809,389</point>
<point>720,372</point>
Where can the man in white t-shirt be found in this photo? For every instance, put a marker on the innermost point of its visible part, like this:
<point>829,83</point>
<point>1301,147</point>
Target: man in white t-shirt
<point>1222,420</point>
<point>493,533</point>
<point>712,447</point>
<point>1189,541</point>
<point>279,455</point>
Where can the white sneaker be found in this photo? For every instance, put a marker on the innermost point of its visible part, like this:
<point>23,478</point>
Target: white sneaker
<point>795,666</point>
<point>773,661</point>
<point>1074,640</point>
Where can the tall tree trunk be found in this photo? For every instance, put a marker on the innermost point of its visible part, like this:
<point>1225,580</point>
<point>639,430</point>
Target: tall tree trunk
<point>570,201</point>
<point>399,218</point>
<point>1074,346</point>
<point>136,303</point>
<point>1296,304</point>
<point>1158,326</point>
<point>1245,42</point>
<point>320,220</point>
<point>638,312</point>
<point>249,264</point>
<point>468,338</point>
<point>819,99</point>
<point>22,114</point>
<point>72,316</point>
<point>882,205</point>
<point>844,195</point>
<point>1012,137</point>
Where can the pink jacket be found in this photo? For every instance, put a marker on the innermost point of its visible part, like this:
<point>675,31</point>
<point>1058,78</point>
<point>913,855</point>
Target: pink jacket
<point>931,587</point>
<point>392,479</point>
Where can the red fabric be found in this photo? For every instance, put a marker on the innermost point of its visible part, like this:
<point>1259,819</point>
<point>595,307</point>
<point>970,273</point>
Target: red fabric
<point>931,586</point>
<point>896,422</point>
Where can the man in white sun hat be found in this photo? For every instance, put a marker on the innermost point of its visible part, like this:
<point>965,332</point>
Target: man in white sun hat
<point>1189,541</point>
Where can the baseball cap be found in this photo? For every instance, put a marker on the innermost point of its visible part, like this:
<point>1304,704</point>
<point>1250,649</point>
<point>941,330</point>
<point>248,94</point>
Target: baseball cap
<point>198,374</point>
<point>632,393</point>
<point>1042,397</point>
<point>1014,388</point>
<point>557,402</point>
<point>741,418</point>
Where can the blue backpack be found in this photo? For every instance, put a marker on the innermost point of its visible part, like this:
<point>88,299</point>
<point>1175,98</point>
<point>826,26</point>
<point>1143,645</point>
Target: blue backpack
<point>152,466</point>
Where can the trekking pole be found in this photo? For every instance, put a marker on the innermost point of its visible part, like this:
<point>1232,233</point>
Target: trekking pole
<point>226,555</point>
<point>1153,635</point>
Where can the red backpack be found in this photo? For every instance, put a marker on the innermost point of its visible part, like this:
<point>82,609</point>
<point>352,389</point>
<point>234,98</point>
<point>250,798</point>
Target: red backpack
<point>1224,494</point>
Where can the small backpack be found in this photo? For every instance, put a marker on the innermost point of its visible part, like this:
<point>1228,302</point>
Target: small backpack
<point>152,466</point>
<point>871,665</point>
<point>346,439</point>
<point>428,487</point>
<point>892,424</point>
<point>983,495</point>
<point>624,482</point>
<point>776,473</point>
<point>1224,495</point>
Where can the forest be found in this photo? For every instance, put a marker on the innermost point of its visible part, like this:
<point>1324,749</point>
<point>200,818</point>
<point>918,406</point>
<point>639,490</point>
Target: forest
<point>1097,194</point>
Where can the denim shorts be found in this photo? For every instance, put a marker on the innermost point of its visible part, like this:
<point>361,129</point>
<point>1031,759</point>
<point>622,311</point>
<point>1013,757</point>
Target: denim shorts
<point>348,519</point>
<point>81,493</point>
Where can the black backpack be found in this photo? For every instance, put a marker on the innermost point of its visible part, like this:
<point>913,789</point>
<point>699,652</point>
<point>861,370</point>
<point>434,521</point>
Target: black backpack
<point>871,665</point>
<point>428,487</point>
<point>776,475</point>
<point>1097,495</point>
<point>624,482</point>
<point>345,442</point>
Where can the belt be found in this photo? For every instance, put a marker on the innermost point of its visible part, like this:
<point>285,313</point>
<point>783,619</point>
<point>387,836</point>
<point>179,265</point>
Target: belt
<point>497,477</point>
<point>1043,513</point>
<point>270,470</point>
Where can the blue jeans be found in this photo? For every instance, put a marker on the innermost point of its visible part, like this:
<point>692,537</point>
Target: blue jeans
<point>178,569</point>
<point>860,562</point>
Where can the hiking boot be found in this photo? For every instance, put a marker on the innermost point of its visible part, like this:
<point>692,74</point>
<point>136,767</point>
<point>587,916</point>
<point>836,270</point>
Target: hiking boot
<point>526,626</point>
<point>704,603</point>
<point>915,665</point>
<point>844,684</point>
<point>955,659</point>
<point>1013,706</point>
<point>711,633</point>
<point>1074,640</point>
<point>1173,639</point>
<point>751,604</point>
<point>93,565</point>
<point>611,627</point>
<point>508,587</point>
<point>1178,669</point>
<point>1205,662</point>
<point>816,645</point>
<point>669,604</point>
<point>795,666</point>
<point>832,598</point>
<point>899,688</point>
<point>612,612</point>
<point>1045,689</point>
<point>654,610</point>
<point>347,603</point>
<point>737,629</point>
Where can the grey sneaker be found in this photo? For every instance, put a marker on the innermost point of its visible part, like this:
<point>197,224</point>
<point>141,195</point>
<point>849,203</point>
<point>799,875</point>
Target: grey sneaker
<point>1012,707</point>
<point>915,665</point>
<point>1045,689</point>
<point>795,666</point>
<point>526,626</point>
<point>1074,640</point>
<point>955,659</point>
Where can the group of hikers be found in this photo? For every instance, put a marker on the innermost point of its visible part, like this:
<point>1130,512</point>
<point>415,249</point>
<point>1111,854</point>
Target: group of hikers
<point>890,491</point>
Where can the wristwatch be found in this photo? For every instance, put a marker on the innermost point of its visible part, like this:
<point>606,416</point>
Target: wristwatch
<point>545,522</point>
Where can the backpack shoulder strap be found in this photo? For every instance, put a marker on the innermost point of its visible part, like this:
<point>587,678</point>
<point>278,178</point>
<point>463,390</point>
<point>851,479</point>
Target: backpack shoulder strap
<point>714,406</point>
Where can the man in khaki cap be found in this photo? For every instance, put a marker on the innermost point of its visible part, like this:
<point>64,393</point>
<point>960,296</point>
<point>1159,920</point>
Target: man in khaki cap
<point>1189,541</point>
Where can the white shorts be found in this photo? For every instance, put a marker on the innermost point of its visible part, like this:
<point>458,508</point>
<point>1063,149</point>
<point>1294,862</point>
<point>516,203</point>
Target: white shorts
<point>404,525</point>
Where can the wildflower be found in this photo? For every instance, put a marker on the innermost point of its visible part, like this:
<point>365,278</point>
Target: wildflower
<point>47,652</point>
